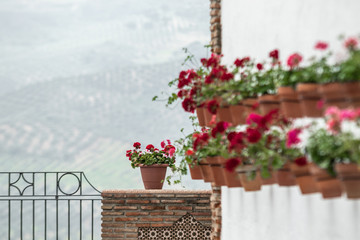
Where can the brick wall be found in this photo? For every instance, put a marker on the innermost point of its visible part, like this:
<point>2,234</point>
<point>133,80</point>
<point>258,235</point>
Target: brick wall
<point>123,211</point>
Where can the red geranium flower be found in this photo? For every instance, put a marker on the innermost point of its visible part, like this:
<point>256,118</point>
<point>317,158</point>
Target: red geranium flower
<point>259,66</point>
<point>274,54</point>
<point>253,135</point>
<point>137,145</point>
<point>226,76</point>
<point>232,163</point>
<point>189,105</point>
<point>213,61</point>
<point>321,45</point>
<point>292,137</point>
<point>301,161</point>
<point>241,62</point>
<point>294,60</point>
<point>189,152</point>
<point>128,153</point>
<point>237,141</point>
<point>219,128</point>
<point>150,147</point>
<point>212,106</point>
<point>182,93</point>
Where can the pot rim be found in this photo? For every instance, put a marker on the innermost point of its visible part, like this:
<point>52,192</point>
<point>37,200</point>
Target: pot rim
<point>154,165</point>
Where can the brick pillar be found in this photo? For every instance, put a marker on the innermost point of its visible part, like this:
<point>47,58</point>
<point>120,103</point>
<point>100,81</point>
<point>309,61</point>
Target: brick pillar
<point>215,203</point>
<point>215,29</point>
<point>215,25</point>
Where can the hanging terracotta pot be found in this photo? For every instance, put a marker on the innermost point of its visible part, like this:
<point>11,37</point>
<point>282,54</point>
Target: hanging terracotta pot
<point>238,114</point>
<point>201,116</point>
<point>285,177</point>
<point>195,172</point>
<point>206,170</point>
<point>329,186</point>
<point>250,184</point>
<point>224,114</point>
<point>216,169</point>
<point>309,99</point>
<point>232,179</point>
<point>304,179</point>
<point>250,105</point>
<point>208,117</point>
<point>334,95</point>
<point>289,102</point>
<point>270,180</point>
<point>153,176</point>
<point>352,91</point>
<point>349,175</point>
<point>268,102</point>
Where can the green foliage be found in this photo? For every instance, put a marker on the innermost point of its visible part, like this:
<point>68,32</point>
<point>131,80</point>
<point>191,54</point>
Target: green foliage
<point>349,70</point>
<point>325,149</point>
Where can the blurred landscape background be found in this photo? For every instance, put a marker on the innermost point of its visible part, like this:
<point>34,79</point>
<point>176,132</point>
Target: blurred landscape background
<point>77,78</point>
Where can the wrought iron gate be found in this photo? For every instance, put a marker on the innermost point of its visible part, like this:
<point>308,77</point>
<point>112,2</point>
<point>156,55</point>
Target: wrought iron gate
<point>45,205</point>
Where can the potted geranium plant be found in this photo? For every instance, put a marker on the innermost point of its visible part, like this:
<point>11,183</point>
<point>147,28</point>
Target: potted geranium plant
<point>210,148</point>
<point>153,162</point>
<point>348,72</point>
<point>334,149</point>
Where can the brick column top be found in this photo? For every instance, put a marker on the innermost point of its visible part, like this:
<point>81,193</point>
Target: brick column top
<point>165,191</point>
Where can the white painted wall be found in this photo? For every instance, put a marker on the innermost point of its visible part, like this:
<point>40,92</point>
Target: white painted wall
<point>282,213</point>
<point>255,27</point>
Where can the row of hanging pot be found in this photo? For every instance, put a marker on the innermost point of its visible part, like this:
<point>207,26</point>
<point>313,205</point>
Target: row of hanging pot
<point>306,100</point>
<point>297,88</point>
<point>320,156</point>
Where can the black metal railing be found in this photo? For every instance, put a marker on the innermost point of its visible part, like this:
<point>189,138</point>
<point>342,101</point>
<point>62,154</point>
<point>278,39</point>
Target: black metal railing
<point>48,205</point>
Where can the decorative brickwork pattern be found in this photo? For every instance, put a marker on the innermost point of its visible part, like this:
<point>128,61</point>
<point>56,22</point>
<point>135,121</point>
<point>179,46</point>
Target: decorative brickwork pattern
<point>215,25</point>
<point>186,228</point>
<point>124,211</point>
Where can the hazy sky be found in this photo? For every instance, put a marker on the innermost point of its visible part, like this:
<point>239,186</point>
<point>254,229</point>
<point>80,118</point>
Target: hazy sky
<point>77,78</point>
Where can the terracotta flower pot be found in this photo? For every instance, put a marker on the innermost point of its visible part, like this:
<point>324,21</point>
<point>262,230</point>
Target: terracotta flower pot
<point>270,180</point>
<point>349,175</point>
<point>224,114</point>
<point>232,179</point>
<point>195,172</point>
<point>216,169</point>
<point>238,114</point>
<point>352,91</point>
<point>208,117</point>
<point>309,99</point>
<point>153,176</point>
<point>304,179</point>
<point>334,95</point>
<point>250,184</point>
<point>206,171</point>
<point>289,102</point>
<point>329,186</point>
<point>285,177</point>
<point>268,102</point>
<point>250,105</point>
<point>201,116</point>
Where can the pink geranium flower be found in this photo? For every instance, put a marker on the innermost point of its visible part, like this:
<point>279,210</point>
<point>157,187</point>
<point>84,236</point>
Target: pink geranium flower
<point>321,45</point>
<point>294,60</point>
<point>293,137</point>
<point>347,114</point>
